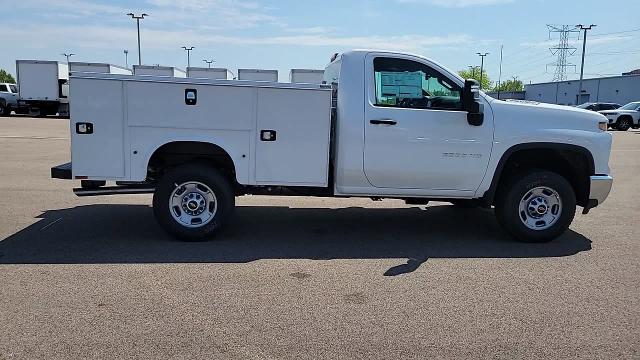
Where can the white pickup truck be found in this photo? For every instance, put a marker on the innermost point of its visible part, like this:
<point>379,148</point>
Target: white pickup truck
<point>384,125</point>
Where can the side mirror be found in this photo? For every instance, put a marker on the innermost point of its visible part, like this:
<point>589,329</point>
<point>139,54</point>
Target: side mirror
<point>471,102</point>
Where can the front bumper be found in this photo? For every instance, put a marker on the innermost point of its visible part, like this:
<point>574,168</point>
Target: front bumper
<point>599,190</point>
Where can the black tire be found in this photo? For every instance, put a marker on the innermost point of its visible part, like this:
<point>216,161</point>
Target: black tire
<point>623,124</point>
<point>212,178</point>
<point>508,202</point>
<point>5,110</point>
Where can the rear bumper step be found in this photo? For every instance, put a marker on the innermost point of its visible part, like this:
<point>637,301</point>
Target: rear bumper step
<point>61,171</point>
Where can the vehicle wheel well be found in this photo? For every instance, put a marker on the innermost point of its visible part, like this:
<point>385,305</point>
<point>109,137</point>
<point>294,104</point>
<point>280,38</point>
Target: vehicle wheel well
<point>572,162</point>
<point>628,117</point>
<point>181,152</point>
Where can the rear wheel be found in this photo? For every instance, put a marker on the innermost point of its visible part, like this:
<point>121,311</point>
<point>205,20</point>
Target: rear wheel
<point>193,201</point>
<point>537,206</point>
<point>623,124</point>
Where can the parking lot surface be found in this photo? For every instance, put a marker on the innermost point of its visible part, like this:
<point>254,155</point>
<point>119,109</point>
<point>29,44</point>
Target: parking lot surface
<point>298,278</point>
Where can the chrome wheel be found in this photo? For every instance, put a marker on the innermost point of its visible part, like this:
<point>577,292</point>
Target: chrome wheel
<point>540,208</point>
<point>193,204</point>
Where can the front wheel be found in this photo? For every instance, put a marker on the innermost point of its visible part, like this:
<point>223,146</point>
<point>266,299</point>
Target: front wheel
<point>193,201</point>
<point>5,110</point>
<point>537,206</point>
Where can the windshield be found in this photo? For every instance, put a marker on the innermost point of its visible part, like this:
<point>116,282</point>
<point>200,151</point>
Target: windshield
<point>584,106</point>
<point>14,89</point>
<point>631,106</point>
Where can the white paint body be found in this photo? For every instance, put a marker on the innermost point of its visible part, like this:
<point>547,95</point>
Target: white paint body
<point>306,76</point>
<point>209,73</point>
<point>39,80</point>
<point>430,153</point>
<point>150,70</point>
<point>615,115</point>
<point>258,75</point>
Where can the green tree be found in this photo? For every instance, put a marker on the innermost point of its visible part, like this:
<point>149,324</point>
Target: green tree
<point>6,77</point>
<point>510,85</point>
<point>474,73</point>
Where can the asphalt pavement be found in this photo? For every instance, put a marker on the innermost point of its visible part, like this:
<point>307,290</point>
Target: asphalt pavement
<point>305,278</point>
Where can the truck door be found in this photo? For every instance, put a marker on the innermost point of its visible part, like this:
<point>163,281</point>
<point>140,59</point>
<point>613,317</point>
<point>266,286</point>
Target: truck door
<point>416,135</point>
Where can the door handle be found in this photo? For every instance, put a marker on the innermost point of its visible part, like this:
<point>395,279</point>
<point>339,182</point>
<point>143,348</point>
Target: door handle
<point>383,122</point>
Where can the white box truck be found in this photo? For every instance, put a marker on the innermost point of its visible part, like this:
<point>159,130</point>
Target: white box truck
<point>43,87</point>
<point>390,125</point>
<point>258,75</point>
<point>209,73</point>
<point>306,76</point>
<point>98,68</point>
<point>156,70</point>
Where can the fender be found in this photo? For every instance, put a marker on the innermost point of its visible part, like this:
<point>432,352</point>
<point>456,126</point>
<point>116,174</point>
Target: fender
<point>489,195</point>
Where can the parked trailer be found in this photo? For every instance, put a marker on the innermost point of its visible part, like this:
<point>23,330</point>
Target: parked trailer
<point>159,71</point>
<point>101,68</point>
<point>308,76</point>
<point>209,73</point>
<point>43,87</point>
<point>258,75</point>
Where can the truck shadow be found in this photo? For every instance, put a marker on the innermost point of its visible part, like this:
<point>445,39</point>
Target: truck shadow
<point>101,234</point>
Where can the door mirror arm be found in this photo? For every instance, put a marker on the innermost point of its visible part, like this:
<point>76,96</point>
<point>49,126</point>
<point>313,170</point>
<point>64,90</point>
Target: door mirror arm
<point>471,102</point>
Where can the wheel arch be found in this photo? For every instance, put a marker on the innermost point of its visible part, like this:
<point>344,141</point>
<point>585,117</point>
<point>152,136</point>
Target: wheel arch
<point>174,153</point>
<point>574,162</point>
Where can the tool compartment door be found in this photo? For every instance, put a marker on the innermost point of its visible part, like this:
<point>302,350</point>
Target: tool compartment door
<point>98,104</point>
<point>293,136</point>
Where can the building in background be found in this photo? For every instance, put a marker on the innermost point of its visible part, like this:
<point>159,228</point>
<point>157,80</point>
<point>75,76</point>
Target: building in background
<point>615,89</point>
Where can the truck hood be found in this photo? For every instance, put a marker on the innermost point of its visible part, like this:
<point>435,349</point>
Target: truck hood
<point>541,115</point>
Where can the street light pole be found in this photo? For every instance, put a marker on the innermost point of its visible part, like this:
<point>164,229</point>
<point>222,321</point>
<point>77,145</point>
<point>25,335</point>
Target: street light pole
<point>473,71</point>
<point>138,18</point>
<point>482,55</point>
<point>584,48</point>
<point>188,50</point>
<point>67,56</point>
<point>209,62</point>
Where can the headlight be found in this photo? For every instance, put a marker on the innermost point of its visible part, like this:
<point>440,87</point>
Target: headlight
<point>603,125</point>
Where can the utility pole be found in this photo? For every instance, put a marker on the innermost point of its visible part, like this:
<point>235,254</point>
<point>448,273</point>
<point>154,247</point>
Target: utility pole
<point>500,74</point>
<point>209,62</point>
<point>482,55</point>
<point>126,58</point>
<point>138,18</point>
<point>188,50</point>
<point>67,56</point>
<point>584,48</point>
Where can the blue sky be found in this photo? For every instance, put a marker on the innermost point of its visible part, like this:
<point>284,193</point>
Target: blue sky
<point>303,34</point>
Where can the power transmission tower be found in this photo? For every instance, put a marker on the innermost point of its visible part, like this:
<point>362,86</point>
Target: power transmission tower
<point>563,49</point>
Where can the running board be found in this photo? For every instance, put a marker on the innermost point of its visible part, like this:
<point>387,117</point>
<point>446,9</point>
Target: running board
<point>114,190</point>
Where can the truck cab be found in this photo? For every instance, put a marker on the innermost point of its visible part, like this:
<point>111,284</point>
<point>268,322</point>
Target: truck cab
<point>8,98</point>
<point>383,125</point>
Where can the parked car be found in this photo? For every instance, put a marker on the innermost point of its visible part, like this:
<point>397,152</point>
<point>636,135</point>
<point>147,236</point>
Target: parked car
<point>598,106</point>
<point>625,117</point>
<point>383,124</point>
<point>8,98</point>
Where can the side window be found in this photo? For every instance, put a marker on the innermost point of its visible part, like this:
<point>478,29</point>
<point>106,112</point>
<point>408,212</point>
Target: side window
<point>409,84</point>
<point>3,88</point>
